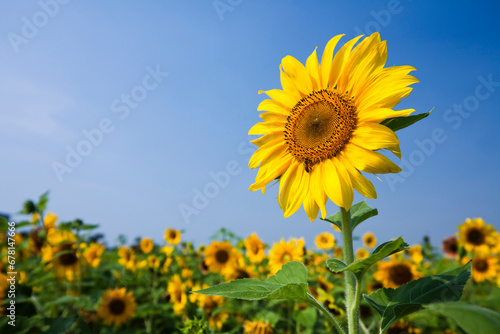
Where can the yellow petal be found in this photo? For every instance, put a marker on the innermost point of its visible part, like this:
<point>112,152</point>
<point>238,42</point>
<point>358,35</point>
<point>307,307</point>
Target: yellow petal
<point>331,182</point>
<point>396,150</point>
<point>345,184</point>
<point>270,172</point>
<point>310,206</point>
<point>272,136</point>
<point>265,127</point>
<point>341,58</point>
<point>312,67</point>
<point>326,61</point>
<point>287,181</point>
<point>316,189</point>
<point>379,114</point>
<point>374,136</point>
<point>288,85</point>
<point>298,191</point>
<point>263,152</point>
<point>298,73</point>
<point>369,161</point>
<point>273,106</point>
<point>273,117</point>
<point>360,183</point>
<point>281,97</point>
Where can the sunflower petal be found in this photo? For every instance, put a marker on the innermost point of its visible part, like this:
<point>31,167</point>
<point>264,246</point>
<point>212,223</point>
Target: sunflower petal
<point>273,106</point>
<point>374,136</point>
<point>380,114</point>
<point>331,182</point>
<point>316,189</point>
<point>312,68</point>
<point>360,183</point>
<point>345,184</point>
<point>340,60</point>
<point>281,97</point>
<point>265,127</point>
<point>298,191</point>
<point>311,207</point>
<point>369,161</point>
<point>298,73</point>
<point>326,60</point>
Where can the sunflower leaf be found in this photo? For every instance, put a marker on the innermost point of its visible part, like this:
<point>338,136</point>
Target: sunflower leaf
<point>359,267</point>
<point>393,304</point>
<point>290,282</point>
<point>359,213</point>
<point>398,123</point>
<point>471,318</point>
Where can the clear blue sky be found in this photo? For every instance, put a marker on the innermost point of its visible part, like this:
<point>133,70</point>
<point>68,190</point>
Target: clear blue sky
<point>73,66</point>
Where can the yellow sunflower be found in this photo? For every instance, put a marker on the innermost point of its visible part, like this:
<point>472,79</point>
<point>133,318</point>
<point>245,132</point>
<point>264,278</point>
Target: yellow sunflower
<point>416,253</point>
<point>362,254</point>
<point>153,262</point>
<point>216,321</point>
<point>395,273</point>
<point>93,254</point>
<point>240,270</point>
<point>403,327</point>
<point>206,302</point>
<point>177,293</point>
<point>219,256</point>
<point>117,306</point>
<point>484,268</point>
<point>50,220</point>
<point>127,257</point>
<point>284,252</point>
<point>338,252</point>
<point>476,237</point>
<point>324,127</point>
<point>325,241</point>
<point>255,248</point>
<point>172,236</point>
<point>257,327</point>
<point>61,253</point>
<point>147,245</point>
<point>369,240</point>
<point>450,247</point>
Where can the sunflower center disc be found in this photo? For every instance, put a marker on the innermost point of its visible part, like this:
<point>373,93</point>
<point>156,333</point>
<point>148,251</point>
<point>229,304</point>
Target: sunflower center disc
<point>475,237</point>
<point>221,256</point>
<point>481,265</point>
<point>400,274</point>
<point>68,259</point>
<point>116,306</point>
<point>319,126</point>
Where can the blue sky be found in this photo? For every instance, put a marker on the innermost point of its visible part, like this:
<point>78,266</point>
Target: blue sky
<point>172,88</point>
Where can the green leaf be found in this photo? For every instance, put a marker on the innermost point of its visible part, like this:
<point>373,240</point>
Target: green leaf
<point>22,224</point>
<point>289,283</point>
<point>393,304</point>
<point>88,227</point>
<point>59,325</point>
<point>359,267</point>
<point>398,123</point>
<point>306,317</point>
<point>62,300</point>
<point>359,213</point>
<point>4,224</point>
<point>471,318</point>
<point>42,201</point>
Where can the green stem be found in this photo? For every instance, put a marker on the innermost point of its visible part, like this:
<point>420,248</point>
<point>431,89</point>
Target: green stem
<point>351,292</point>
<point>311,300</point>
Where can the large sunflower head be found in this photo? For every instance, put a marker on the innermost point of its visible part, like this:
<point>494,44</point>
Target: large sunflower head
<point>324,127</point>
<point>395,273</point>
<point>117,306</point>
<point>477,237</point>
<point>484,268</point>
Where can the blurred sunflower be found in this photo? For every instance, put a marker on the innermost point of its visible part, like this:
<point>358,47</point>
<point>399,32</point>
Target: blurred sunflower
<point>50,220</point>
<point>401,327</point>
<point>484,268</point>
<point>369,240</point>
<point>93,253</point>
<point>147,245</point>
<point>450,247</point>
<point>325,241</point>
<point>476,237</point>
<point>416,254</point>
<point>257,327</point>
<point>324,127</point>
<point>255,248</point>
<point>395,273</point>
<point>207,302</point>
<point>61,253</point>
<point>328,301</point>
<point>117,306</point>
<point>284,252</point>
<point>177,293</point>
<point>338,252</point>
<point>217,320</point>
<point>240,270</point>
<point>172,236</point>
<point>127,257</point>
<point>219,256</point>
<point>153,262</point>
<point>362,254</point>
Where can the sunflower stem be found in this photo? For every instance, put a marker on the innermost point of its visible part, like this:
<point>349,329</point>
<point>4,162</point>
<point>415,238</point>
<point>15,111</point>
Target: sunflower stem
<point>351,295</point>
<point>311,300</point>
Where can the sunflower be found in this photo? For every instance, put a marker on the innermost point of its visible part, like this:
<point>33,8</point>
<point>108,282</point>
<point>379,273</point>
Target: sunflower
<point>338,252</point>
<point>362,254</point>
<point>147,245</point>
<point>207,302</point>
<point>177,293</point>
<point>50,220</point>
<point>395,273</point>
<point>369,240</point>
<point>240,270</point>
<point>484,268</point>
<point>117,306</point>
<point>415,253</point>
<point>217,320</point>
<point>172,236</point>
<point>476,237</point>
<point>325,241</point>
<point>324,127</point>
<point>93,253</point>
<point>255,248</point>
<point>257,327</point>
<point>284,252</point>
<point>127,257</point>
<point>450,247</point>
<point>153,262</point>
<point>401,327</point>
<point>219,256</point>
<point>62,254</point>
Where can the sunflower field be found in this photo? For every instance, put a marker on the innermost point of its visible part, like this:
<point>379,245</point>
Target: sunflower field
<point>69,280</point>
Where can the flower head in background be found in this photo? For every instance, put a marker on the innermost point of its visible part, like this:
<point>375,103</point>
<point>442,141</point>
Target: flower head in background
<point>172,236</point>
<point>369,240</point>
<point>323,128</point>
<point>325,241</point>
<point>117,306</point>
<point>477,237</point>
